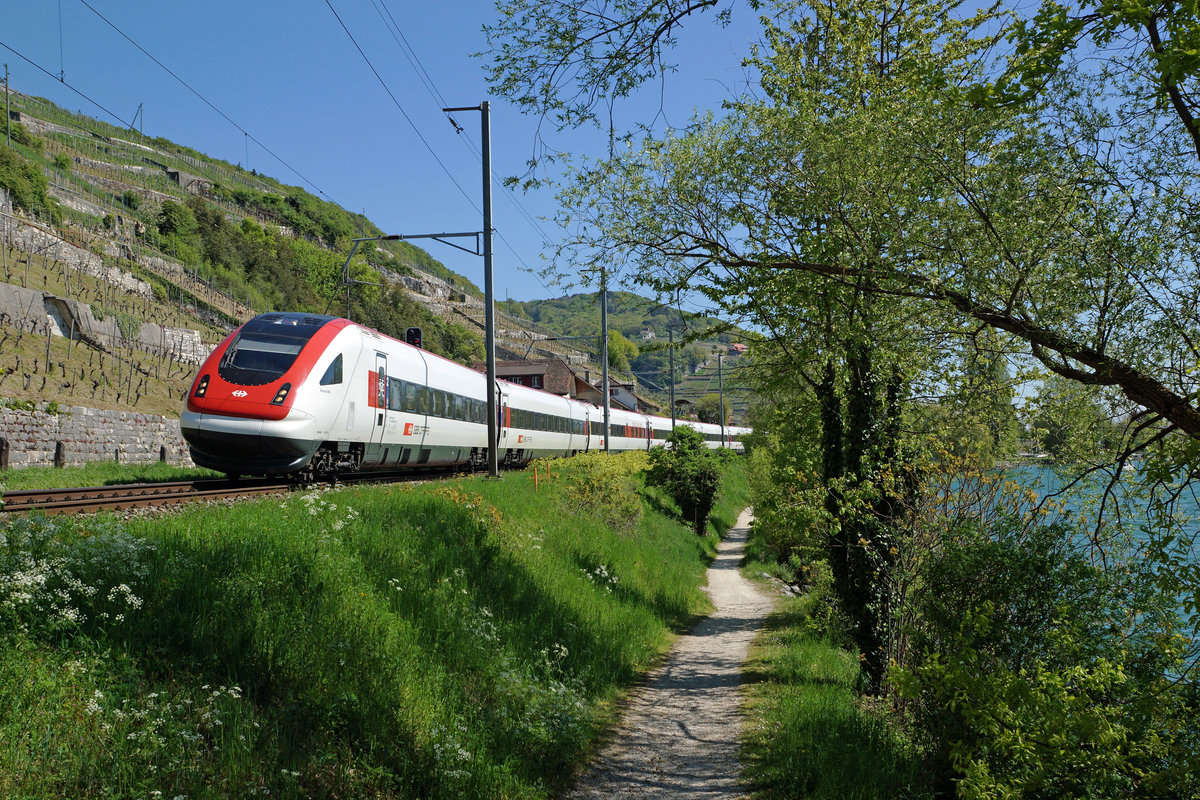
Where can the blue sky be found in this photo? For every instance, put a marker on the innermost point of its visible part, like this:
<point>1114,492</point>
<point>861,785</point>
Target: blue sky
<point>289,76</point>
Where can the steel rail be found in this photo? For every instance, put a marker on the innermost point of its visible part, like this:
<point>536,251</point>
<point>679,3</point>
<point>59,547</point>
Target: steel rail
<point>118,497</point>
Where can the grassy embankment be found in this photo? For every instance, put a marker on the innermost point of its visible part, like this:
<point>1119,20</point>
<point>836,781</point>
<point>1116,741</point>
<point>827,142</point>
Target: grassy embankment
<point>811,735</point>
<point>458,639</point>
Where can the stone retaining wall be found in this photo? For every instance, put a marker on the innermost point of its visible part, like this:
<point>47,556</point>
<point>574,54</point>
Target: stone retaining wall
<point>78,435</point>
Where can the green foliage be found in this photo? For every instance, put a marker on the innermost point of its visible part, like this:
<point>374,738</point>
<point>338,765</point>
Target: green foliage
<point>25,183</point>
<point>629,314</point>
<point>708,408</point>
<point>1033,679</point>
<point>131,199</point>
<point>175,219</point>
<point>609,54</point>
<point>62,162</point>
<point>689,472</point>
<point>21,135</point>
<point>448,641</point>
<point>1070,422</point>
<point>621,351</point>
<point>813,738</point>
<point>604,485</point>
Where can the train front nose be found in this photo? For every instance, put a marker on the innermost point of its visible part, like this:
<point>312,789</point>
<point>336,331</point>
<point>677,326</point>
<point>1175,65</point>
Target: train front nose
<point>250,446</point>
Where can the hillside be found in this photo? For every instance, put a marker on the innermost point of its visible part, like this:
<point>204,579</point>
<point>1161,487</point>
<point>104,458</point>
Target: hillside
<point>644,323</point>
<point>133,245</point>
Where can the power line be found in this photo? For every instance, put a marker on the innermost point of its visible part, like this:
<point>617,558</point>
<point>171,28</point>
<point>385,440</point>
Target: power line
<point>430,87</point>
<point>394,29</point>
<point>404,113</point>
<point>206,101</point>
<point>42,69</point>
<point>427,80</point>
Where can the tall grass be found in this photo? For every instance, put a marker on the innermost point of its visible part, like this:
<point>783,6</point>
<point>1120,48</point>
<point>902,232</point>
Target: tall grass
<point>811,736</point>
<point>458,639</point>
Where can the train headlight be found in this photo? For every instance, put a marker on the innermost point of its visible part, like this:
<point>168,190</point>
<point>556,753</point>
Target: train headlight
<point>202,387</point>
<point>281,395</point>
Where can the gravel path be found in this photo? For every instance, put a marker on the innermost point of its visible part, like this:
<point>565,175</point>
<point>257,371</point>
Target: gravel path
<point>679,735</point>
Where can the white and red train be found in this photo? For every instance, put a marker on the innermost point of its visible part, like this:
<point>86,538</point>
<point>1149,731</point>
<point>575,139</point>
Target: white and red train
<point>304,393</point>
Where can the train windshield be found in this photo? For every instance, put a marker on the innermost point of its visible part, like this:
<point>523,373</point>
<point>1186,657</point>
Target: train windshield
<point>267,347</point>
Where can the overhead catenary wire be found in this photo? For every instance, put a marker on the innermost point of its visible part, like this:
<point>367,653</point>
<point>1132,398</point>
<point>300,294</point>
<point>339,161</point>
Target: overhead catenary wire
<point>430,85</point>
<point>403,113</point>
<point>207,102</point>
<point>50,74</point>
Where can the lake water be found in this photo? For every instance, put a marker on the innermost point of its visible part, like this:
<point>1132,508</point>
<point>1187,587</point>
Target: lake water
<point>1130,501</point>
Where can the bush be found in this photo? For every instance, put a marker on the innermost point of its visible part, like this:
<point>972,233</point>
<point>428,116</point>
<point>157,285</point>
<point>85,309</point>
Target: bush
<point>603,485</point>
<point>690,473</point>
<point>25,183</point>
<point>1034,680</point>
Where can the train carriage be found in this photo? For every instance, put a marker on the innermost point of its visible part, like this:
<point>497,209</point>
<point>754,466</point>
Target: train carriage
<point>310,394</point>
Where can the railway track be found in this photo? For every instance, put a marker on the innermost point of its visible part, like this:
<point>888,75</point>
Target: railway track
<point>118,497</point>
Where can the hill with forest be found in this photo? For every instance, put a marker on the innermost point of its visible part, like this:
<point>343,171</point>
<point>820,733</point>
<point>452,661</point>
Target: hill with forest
<point>643,345</point>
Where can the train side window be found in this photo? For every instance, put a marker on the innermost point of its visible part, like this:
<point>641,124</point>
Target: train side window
<point>410,397</point>
<point>438,405</point>
<point>460,407</point>
<point>395,394</point>
<point>422,400</point>
<point>333,374</point>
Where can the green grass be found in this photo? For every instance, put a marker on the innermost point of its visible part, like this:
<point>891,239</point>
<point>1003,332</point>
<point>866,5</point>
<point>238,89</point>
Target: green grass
<point>811,736</point>
<point>98,473</point>
<point>458,639</point>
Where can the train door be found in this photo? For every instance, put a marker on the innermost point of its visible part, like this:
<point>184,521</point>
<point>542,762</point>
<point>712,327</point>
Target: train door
<point>381,398</point>
<point>587,431</point>
<point>505,419</point>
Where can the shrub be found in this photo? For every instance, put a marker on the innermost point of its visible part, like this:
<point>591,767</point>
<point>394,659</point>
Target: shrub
<point>1033,678</point>
<point>25,183</point>
<point>690,473</point>
<point>605,486</point>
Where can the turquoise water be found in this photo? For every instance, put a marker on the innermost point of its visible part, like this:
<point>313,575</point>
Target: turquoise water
<point>1129,504</point>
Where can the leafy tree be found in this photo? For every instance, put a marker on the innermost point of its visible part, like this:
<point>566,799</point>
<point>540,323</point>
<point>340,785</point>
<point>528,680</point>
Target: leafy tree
<point>620,351</point>
<point>902,180</point>
<point>21,135</point>
<point>177,220</point>
<point>690,472</point>
<point>709,408</point>
<point>25,183</point>
<point>565,61</point>
<point>1070,422</point>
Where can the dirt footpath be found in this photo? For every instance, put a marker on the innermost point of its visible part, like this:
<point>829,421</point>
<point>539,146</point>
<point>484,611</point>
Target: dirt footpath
<point>679,735</point>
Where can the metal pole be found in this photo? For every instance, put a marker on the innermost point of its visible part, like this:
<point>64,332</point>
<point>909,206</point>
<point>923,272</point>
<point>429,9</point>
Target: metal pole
<point>604,352</point>
<point>346,274</point>
<point>721,398</point>
<point>489,317</point>
<point>7,107</point>
<point>671,339</point>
